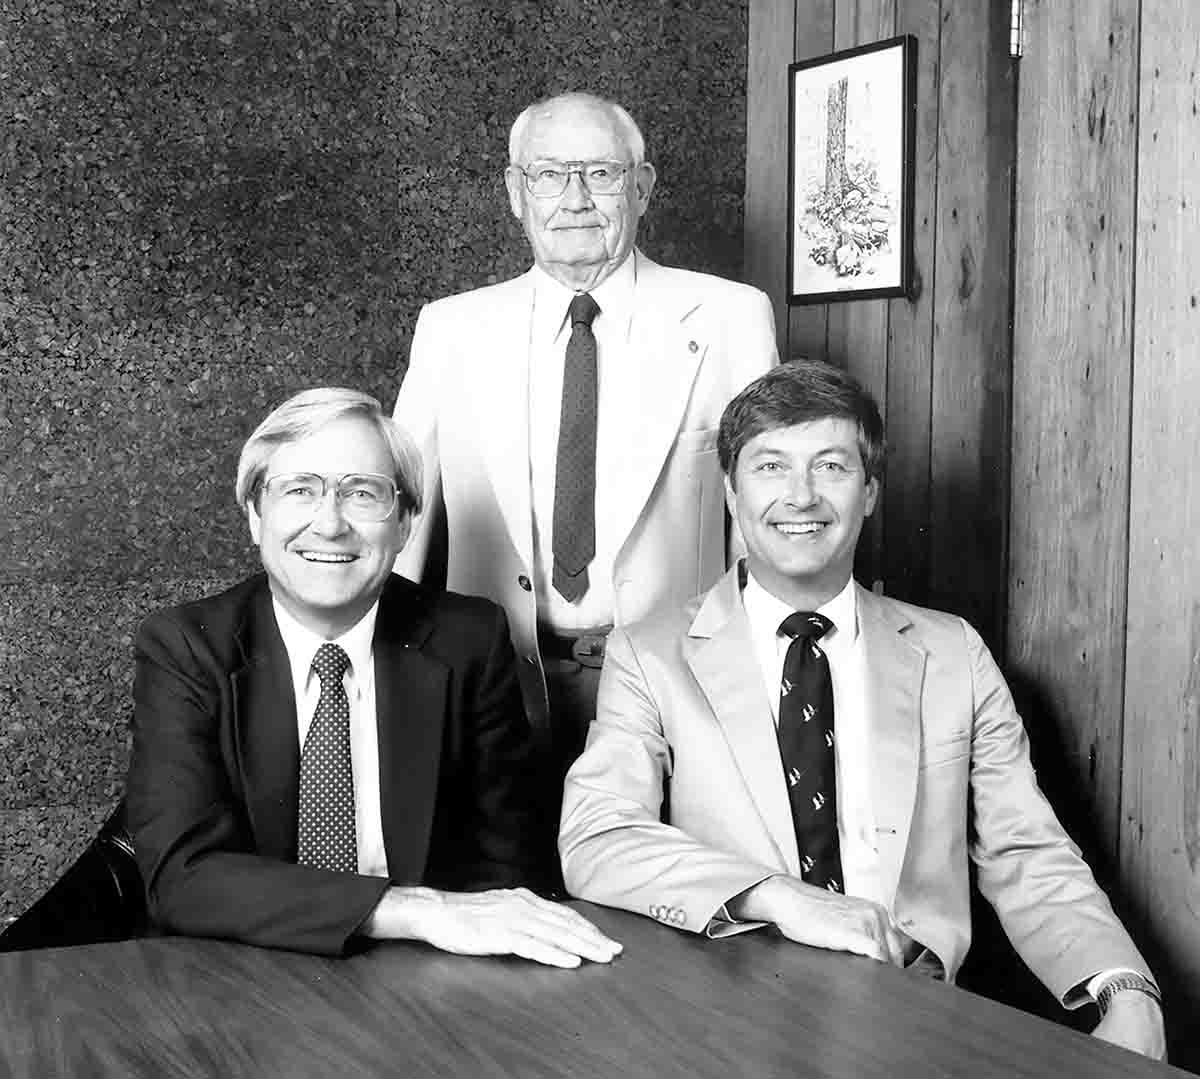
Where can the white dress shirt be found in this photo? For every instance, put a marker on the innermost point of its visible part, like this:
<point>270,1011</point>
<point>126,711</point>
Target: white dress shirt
<point>843,645</point>
<point>302,644</point>
<point>551,330</point>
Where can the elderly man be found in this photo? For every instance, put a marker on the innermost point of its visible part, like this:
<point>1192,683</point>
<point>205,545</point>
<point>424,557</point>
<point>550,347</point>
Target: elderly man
<point>328,751</point>
<point>568,417</point>
<point>792,749</point>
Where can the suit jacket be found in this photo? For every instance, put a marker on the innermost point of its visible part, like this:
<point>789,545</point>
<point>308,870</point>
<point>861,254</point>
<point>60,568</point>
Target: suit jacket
<point>214,778</point>
<point>683,714</point>
<point>465,399</point>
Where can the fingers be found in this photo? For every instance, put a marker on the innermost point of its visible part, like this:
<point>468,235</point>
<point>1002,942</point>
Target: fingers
<point>520,923</point>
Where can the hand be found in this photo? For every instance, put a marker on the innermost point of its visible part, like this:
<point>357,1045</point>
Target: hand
<point>515,922</point>
<point>824,919</point>
<point>1134,1021</point>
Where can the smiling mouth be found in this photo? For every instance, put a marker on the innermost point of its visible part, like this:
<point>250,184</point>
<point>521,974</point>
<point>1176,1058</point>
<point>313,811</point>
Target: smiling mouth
<point>327,556</point>
<point>800,528</point>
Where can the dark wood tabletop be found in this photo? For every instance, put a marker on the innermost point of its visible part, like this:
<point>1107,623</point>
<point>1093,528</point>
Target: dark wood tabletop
<point>672,1005</point>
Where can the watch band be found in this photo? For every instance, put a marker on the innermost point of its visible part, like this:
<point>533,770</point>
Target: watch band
<point>1136,983</point>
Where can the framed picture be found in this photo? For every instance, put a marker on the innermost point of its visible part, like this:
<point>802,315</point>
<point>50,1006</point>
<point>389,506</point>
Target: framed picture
<point>850,173</point>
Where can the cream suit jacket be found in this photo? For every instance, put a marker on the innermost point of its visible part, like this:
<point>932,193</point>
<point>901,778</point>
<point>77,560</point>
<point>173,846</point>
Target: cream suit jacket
<point>465,399</point>
<point>683,711</point>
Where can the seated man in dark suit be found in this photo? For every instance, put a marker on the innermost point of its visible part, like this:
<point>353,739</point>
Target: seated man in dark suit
<point>329,750</point>
<point>739,773</point>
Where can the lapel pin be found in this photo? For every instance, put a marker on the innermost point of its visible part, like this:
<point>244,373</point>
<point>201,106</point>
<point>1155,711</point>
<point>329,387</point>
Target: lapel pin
<point>693,347</point>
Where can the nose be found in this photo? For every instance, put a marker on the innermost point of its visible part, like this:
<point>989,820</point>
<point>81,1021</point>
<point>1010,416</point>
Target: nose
<point>576,196</point>
<point>801,491</point>
<point>328,519</point>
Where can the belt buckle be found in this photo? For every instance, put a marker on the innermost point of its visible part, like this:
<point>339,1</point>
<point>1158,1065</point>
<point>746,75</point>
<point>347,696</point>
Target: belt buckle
<point>588,649</point>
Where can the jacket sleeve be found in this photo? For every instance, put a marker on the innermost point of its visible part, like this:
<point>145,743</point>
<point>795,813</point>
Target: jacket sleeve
<point>754,354</point>
<point>496,804</point>
<point>190,827</point>
<point>416,411</point>
<point>1057,917</point>
<point>615,847</point>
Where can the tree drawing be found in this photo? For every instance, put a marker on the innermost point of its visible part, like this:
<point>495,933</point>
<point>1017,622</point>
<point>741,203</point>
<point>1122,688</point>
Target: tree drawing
<point>848,217</point>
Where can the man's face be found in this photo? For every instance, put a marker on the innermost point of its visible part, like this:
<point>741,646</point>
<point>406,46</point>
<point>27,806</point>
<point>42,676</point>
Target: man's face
<point>800,495</point>
<point>325,570</point>
<point>578,238</point>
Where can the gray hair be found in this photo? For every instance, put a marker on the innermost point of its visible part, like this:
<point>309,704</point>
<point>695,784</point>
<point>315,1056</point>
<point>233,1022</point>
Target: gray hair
<point>309,411</point>
<point>625,123</point>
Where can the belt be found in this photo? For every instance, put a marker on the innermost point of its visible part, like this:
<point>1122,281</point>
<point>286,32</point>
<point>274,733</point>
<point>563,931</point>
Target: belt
<point>585,646</point>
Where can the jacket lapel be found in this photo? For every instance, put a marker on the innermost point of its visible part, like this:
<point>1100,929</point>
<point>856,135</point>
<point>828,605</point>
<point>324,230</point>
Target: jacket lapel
<point>721,656</point>
<point>653,389</point>
<point>410,704</point>
<point>502,392</point>
<point>264,716</point>
<point>896,669</point>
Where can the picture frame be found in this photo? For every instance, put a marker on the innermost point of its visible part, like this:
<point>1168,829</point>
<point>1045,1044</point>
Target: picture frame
<point>851,151</point>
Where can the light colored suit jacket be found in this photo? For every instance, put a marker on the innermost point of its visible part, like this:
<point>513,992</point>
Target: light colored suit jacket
<point>465,399</point>
<point>683,715</point>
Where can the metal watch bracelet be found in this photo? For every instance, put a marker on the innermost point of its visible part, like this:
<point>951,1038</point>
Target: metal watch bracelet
<point>1135,982</point>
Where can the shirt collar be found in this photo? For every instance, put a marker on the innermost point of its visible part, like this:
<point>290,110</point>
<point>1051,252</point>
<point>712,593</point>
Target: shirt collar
<point>763,608</point>
<point>552,298</point>
<point>302,643</point>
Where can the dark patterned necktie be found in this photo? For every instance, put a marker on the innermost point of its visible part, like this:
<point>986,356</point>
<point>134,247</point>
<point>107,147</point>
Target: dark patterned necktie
<point>806,749</point>
<point>326,834</point>
<point>574,526</point>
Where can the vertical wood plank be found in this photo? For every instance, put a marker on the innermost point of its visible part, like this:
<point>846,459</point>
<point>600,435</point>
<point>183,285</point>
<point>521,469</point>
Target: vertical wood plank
<point>858,331</point>
<point>971,360</point>
<point>906,496</point>
<point>1160,822</point>
<point>807,324</point>
<point>1071,358</point>
<point>769,51</point>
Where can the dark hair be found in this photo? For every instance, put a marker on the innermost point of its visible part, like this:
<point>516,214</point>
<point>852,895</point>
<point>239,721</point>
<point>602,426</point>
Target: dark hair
<point>801,391</point>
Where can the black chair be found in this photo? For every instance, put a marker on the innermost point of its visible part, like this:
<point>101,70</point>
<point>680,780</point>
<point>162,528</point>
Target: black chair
<point>99,898</point>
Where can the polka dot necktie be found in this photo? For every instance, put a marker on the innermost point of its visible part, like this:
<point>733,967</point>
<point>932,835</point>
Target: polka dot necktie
<point>806,748</point>
<point>326,833</point>
<point>575,468</point>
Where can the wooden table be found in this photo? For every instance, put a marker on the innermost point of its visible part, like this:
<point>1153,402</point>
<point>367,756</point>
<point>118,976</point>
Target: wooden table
<point>671,1005</point>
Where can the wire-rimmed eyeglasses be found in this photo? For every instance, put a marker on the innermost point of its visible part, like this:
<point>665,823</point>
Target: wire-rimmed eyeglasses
<point>365,497</point>
<point>549,179</point>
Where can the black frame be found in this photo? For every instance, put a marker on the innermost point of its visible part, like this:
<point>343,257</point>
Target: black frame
<point>907,100</point>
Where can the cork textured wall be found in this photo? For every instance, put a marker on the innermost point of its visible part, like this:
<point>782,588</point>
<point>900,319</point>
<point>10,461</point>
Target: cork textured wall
<point>207,207</point>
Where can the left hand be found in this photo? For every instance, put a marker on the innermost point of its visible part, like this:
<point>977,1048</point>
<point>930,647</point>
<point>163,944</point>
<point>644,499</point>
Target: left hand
<point>1134,1021</point>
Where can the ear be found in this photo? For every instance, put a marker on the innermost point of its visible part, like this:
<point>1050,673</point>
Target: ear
<point>255,523</point>
<point>730,496</point>
<point>514,181</point>
<point>404,528</point>
<point>872,495</point>
<point>643,182</point>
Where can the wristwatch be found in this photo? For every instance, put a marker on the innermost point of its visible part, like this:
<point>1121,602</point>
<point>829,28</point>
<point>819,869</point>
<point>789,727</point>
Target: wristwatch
<point>1121,982</point>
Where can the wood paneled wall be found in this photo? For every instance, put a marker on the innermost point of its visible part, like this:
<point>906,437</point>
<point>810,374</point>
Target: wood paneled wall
<point>1042,396</point>
<point>938,363</point>
<point>1105,567</point>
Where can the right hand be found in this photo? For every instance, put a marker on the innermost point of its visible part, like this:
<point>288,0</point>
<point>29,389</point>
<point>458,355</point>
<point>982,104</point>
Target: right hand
<point>499,922</point>
<point>824,919</point>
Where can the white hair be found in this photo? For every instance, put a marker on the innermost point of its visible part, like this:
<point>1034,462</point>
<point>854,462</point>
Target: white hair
<point>304,414</point>
<point>625,123</point>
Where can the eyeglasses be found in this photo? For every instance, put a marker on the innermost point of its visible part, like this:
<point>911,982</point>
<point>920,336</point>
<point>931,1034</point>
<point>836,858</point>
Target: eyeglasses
<point>549,179</point>
<point>363,497</point>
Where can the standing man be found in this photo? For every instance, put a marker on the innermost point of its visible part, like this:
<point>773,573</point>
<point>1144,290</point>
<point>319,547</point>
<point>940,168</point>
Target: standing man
<point>568,417</point>
<point>328,751</point>
<point>834,760</point>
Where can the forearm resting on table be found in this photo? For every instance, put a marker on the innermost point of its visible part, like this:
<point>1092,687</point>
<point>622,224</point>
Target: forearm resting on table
<point>823,919</point>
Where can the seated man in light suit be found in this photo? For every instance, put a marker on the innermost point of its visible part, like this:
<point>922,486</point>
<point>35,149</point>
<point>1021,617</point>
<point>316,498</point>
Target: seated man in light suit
<point>327,750</point>
<point>570,450</point>
<point>792,749</point>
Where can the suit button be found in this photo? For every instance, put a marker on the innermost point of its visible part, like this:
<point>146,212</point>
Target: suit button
<point>523,581</point>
